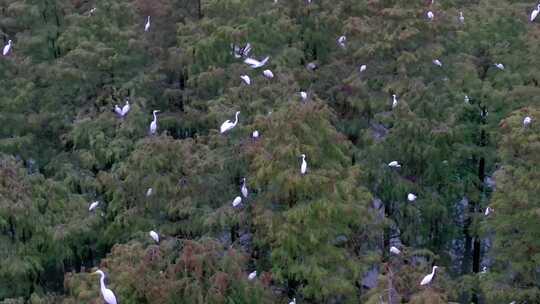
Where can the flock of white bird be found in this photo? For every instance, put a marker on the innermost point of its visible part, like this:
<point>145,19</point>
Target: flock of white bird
<point>228,125</point>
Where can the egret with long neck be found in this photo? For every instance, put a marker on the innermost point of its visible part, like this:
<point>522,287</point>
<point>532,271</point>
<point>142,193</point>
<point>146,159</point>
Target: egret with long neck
<point>153,124</point>
<point>107,294</point>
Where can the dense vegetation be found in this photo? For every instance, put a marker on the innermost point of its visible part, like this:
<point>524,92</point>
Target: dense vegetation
<point>322,237</point>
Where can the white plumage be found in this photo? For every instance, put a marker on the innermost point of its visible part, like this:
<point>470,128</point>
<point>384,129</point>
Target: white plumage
<point>244,189</point>
<point>363,67</point>
<point>246,79</point>
<point>411,197</point>
<point>93,206</point>
<point>303,95</point>
<point>535,12</point>
<point>118,110</point>
<point>7,48</point>
<point>254,63</point>
<point>394,164</point>
<point>268,74</point>
<point>427,279</point>
<point>107,294</point>
<point>126,108</point>
<point>228,125</point>
<point>293,301</point>
<point>154,236</point>
<point>255,134</point>
<point>394,101</point>
<point>430,15</point>
<point>342,40</point>
<point>149,192</point>
<point>303,166</point>
<point>252,275</point>
<point>237,200</point>
<point>488,211</point>
<point>153,124</point>
<point>527,121</point>
<point>461,17</point>
<point>394,250</point>
<point>437,62</point>
<point>147,25</point>
<point>499,66</point>
<point>467,99</point>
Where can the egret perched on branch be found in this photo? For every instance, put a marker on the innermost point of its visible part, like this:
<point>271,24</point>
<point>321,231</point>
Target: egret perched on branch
<point>394,164</point>
<point>255,134</point>
<point>153,124</point>
<point>499,66</point>
<point>252,275</point>
<point>527,121</point>
<point>411,197</point>
<point>154,236</point>
<point>430,15</point>
<point>427,279</point>
<point>488,211</point>
<point>293,301</point>
<point>7,48</point>
<point>363,68</point>
<point>303,166</point>
<point>437,62</point>
<point>246,79</point>
<point>394,250</point>
<point>467,99</point>
<point>254,63</point>
<point>93,206</point>
<point>147,25</point>
<point>268,74</point>
<point>149,192</point>
<point>312,66</point>
<point>107,294</point>
<point>244,189</point>
<point>461,17</point>
<point>535,12</point>
<point>237,200</point>
<point>228,125</point>
<point>342,40</point>
<point>395,101</point>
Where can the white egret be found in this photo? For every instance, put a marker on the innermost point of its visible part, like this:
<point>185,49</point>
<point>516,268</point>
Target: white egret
<point>395,101</point>
<point>394,250</point>
<point>303,95</point>
<point>342,40</point>
<point>92,11</point>
<point>312,66</point>
<point>461,17</point>
<point>93,206</point>
<point>7,48</point>
<point>246,79</point>
<point>244,189</point>
<point>153,124</point>
<point>293,301</point>
<point>303,166</point>
<point>488,211</point>
<point>363,67</point>
<point>499,66</point>
<point>437,62</point>
<point>394,164</point>
<point>254,63</point>
<point>467,99</point>
<point>268,74</point>
<point>430,15</point>
<point>427,279</point>
<point>118,110</point>
<point>484,269</point>
<point>126,108</point>
<point>527,121</point>
<point>255,134</point>
<point>239,52</point>
<point>535,12</point>
<point>237,200</point>
<point>147,25</point>
<point>228,125</point>
<point>411,197</point>
<point>149,192</point>
<point>106,293</point>
<point>252,275</point>
<point>154,236</point>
